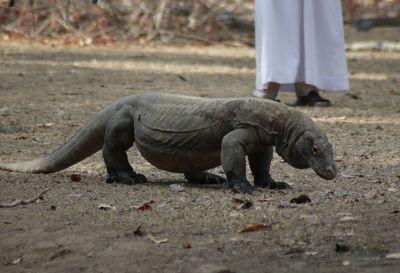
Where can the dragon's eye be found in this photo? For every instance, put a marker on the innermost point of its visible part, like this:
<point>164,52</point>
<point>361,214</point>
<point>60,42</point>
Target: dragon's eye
<point>315,150</point>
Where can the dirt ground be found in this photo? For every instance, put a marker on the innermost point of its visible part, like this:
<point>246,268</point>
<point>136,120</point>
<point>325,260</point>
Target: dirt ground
<point>48,92</point>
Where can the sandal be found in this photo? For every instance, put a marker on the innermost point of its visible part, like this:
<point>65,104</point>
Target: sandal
<point>313,99</point>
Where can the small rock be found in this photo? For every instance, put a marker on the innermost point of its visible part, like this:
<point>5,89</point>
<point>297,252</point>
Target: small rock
<point>4,111</point>
<point>176,188</point>
<point>392,189</point>
<point>346,263</point>
<point>311,253</point>
<point>288,242</point>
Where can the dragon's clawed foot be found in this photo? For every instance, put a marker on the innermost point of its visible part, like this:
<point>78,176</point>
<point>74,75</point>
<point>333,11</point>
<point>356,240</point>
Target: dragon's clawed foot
<point>270,183</point>
<point>239,185</point>
<point>128,177</point>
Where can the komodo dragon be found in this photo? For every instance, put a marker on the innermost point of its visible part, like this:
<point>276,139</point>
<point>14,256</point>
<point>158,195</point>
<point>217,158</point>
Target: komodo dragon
<point>190,135</point>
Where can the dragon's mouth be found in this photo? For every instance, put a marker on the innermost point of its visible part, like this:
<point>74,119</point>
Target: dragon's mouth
<point>328,173</point>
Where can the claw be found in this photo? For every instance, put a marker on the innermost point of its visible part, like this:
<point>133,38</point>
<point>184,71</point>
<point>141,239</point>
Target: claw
<point>241,186</point>
<point>270,183</point>
<point>128,177</point>
<point>279,186</point>
<point>140,178</point>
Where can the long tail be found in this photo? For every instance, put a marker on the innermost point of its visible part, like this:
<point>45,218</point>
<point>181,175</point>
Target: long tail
<point>84,143</point>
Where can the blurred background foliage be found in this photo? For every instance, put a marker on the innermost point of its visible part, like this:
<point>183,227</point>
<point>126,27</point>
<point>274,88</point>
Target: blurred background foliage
<point>84,22</point>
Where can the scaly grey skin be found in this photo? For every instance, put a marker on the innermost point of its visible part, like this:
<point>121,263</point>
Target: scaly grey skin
<point>190,135</point>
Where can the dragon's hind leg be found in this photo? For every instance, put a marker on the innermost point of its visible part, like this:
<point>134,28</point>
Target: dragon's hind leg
<point>119,137</point>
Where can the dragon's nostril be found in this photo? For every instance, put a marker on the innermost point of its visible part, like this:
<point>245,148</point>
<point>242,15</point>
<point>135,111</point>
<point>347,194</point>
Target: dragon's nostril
<point>330,173</point>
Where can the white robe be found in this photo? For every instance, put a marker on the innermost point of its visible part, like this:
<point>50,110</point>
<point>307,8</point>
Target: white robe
<point>300,41</point>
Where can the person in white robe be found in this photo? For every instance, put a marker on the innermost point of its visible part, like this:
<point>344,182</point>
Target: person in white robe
<point>300,47</point>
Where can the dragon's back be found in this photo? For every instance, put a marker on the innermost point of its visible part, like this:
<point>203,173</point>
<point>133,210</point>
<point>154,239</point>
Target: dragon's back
<point>181,133</point>
<point>169,112</point>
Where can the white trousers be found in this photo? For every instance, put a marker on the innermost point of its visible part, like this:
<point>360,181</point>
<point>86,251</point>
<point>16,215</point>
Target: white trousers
<point>300,41</point>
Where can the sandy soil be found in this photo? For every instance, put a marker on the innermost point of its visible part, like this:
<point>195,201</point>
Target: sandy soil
<point>48,93</point>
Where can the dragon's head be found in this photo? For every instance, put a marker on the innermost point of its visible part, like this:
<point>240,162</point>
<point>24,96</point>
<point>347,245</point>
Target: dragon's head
<point>313,150</point>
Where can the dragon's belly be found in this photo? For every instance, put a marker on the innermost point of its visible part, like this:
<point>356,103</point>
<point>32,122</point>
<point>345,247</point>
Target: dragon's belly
<point>179,152</point>
<point>180,161</point>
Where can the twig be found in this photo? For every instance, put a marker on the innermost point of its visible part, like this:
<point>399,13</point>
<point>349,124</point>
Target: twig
<point>24,201</point>
<point>33,19</point>
<point>192,37</point>
<point>44,26</point>
<point>158,17</point>
<point>9,29</point>
<point>71,28</point>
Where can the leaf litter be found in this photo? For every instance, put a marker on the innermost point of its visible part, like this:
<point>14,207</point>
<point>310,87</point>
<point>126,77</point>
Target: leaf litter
<point>254,228</point>
<point>144,206</point>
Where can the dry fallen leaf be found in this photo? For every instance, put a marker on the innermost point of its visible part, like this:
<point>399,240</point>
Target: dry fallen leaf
<point>75,177</point>
<point>46,125</point>
<point>237,200</point>
<point>138,232</point>
<point>131,192</point>
<point>106,207</point>
<point>157,241</point>
<point>302,199</point>
<point>247,205</point>
<point>144,206</point>
<point>348,219</point>
<point>253,228</point>
<point>17,261</point>
<point>244,204</point>
<point>187,246</point>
